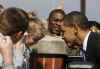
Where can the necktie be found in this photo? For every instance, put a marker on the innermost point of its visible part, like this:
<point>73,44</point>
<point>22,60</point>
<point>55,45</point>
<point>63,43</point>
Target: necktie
<point>84,55</point>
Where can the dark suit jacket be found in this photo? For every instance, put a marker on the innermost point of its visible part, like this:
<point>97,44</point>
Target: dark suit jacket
<point>93,49</point>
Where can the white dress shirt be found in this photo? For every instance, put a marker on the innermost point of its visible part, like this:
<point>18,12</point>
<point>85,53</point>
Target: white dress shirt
<point>85,41</point>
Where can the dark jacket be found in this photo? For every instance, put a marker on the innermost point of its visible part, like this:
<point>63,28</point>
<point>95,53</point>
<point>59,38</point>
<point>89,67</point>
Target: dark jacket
<point>93,49</point>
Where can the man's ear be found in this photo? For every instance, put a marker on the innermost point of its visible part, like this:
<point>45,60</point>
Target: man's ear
<point>76,29</point>
<point>19,34</point>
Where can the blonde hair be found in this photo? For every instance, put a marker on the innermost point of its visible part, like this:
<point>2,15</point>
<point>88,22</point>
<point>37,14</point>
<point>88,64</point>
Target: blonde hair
<point>36,29</point>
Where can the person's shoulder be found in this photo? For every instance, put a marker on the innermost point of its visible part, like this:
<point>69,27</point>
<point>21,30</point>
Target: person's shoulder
<point>95,35</point>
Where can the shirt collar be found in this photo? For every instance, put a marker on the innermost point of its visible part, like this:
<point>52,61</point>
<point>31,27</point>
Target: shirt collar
<point>85,41</point>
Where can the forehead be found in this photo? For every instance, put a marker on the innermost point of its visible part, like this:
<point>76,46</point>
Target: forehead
<point>66,28</point>
<point>57,15</point>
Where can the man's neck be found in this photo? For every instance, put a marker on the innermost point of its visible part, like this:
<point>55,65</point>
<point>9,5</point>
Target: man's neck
<point>82,34</point>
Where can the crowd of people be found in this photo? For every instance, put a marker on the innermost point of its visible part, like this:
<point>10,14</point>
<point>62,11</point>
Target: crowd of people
<point>19,30</point>
<point>63,33</point>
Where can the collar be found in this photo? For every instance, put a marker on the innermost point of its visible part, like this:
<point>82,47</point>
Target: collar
<point>85,41</point>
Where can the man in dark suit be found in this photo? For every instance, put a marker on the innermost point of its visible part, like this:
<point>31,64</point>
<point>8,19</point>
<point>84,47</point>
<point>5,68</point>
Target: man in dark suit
<point>75,30</point>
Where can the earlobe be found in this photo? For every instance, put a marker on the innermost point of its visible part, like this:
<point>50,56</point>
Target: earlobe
<point>76,29</point>
<point>76,33</point>
<point>19,33</point>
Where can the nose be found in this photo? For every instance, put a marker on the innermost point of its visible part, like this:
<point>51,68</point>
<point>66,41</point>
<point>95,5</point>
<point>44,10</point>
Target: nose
<point>58,23</point>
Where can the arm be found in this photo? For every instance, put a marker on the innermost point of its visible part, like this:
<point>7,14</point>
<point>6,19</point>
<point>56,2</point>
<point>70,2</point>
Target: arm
<point>6,50</point>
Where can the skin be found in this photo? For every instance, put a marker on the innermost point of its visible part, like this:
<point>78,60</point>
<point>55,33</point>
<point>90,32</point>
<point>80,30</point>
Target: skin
<point>54,23</point>
<point>68,34</point>
<point>6,49</point>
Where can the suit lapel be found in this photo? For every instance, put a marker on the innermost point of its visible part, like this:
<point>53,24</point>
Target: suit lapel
<point>89,44</point>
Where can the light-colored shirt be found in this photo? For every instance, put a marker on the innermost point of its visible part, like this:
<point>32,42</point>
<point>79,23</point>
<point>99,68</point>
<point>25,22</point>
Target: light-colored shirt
<point>18,58</point>
<point>85,41</point>
<point>51,45</point>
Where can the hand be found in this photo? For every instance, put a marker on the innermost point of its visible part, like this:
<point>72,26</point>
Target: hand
<point>6,49</point>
